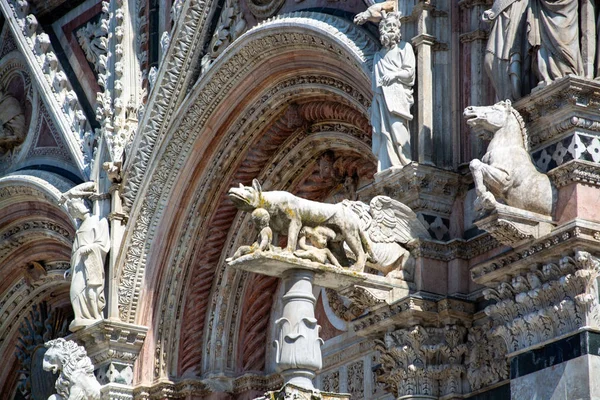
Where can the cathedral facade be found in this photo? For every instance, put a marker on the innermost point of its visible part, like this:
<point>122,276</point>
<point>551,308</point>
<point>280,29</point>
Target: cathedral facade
<point>425,175</point>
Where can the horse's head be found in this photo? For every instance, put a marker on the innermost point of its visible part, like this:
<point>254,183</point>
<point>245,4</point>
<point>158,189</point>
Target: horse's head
<point>487,120</point>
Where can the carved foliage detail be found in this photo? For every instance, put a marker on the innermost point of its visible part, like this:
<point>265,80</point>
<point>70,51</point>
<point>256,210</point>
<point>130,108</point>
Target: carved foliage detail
<point>546,302</point>
<point>487,362</point>
<point>423,361</point>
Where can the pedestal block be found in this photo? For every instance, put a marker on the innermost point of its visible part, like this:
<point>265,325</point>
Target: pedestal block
<point>113,347</point>
<point>291,391</point>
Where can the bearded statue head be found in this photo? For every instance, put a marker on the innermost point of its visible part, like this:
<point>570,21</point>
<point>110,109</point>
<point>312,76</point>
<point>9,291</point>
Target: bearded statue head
<point>389,29</point>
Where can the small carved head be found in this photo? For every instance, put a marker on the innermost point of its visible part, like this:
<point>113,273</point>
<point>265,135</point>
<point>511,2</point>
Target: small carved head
<point>260,218</point>
<point>53,360</point>
<point>246,198</point>
<point>389,29</point>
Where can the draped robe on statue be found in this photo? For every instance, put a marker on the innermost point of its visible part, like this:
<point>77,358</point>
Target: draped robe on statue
<point>532,41</point>
<point>87,284</point>
<point>390,109</point>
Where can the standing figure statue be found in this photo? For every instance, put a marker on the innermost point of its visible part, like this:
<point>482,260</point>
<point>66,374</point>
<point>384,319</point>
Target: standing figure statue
<point>92,242</point>
<point>393,81</point>
<point>532,42</point>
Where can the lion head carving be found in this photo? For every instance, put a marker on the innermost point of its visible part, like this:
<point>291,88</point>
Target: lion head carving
<point>76,380</point>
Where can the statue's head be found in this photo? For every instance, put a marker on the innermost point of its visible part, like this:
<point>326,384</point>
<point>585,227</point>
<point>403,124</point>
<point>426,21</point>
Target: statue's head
<point>77,207</point>
<point>246,198</point>
<point>389,29</point>
<point>488,118</point>
<point>260,218</point>
<point>54,356</point>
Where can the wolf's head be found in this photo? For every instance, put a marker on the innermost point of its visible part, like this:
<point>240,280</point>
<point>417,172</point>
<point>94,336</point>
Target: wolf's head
<point>246,198</point>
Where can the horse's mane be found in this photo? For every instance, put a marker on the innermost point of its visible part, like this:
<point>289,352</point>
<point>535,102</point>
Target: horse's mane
<point>521,122</point>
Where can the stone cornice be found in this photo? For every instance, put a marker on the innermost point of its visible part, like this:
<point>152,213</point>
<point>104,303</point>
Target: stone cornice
<point>414,310</point>
<point>566,104</point>
<point>578,234</point>
<point>576,171</point>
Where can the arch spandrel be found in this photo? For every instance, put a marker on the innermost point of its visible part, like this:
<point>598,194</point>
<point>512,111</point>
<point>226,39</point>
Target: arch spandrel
<point>230,110</point>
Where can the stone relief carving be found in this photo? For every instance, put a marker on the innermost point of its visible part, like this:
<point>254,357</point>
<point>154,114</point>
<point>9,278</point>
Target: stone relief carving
<point>506,175</point>
<point>546,302</point>
<point>231,26</point>
<point>487,363</point>
<point>12,123</point>
<point>48,74</point>
<point>392,83</point>
<point>537,42</point>
<point>42,325</point>
<point>93,39</point>
<point>76,379</point>
<point>423,361</point>
<point>374,233</point>
<point>92,242</point>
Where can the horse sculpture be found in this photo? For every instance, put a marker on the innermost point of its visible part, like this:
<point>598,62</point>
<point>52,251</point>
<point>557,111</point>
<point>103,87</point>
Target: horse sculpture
<point>506,172</point>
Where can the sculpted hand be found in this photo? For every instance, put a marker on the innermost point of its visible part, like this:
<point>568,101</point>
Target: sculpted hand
<point>361,18</point>
<point>387,79</point>
<point>86,250</point>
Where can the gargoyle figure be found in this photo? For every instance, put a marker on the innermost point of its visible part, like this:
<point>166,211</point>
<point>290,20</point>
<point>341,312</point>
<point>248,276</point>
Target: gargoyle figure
<point>506,171</point>
<point>373,233</point>
<point>76,380</point>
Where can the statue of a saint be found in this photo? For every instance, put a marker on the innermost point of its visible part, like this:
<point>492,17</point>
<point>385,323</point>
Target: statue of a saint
<point>531,42</point>
<point>92,242</point>
<point>393,80</point>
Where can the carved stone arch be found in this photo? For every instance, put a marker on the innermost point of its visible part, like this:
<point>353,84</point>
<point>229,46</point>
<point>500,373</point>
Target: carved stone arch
<point>246,96</point>
<point>36,236</point>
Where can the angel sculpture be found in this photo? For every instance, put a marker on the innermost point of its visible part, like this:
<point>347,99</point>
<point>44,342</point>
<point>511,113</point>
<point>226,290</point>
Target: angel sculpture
<point>374,233</point>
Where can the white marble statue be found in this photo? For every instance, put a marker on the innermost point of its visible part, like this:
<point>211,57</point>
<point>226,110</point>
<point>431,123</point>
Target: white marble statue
<point>532,42</point>
<point>392,82</point>
<point>506,171</point>
<point>92,242</point>
<point>374,233</point>
<point>76,380</point>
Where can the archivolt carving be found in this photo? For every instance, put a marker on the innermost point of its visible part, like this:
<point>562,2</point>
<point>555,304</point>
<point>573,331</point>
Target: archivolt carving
<point>255,46</point>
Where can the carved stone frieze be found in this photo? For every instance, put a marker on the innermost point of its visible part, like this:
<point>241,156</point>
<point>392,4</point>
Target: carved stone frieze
<point>584,235</point>
<point>429,191</point>
<point>545,302</point>
<point>454,249</point>
<point>576,171</point>
<point>46,71</point>
<point>172,390</point>
<point>424,361</point>
<point>568,105</point>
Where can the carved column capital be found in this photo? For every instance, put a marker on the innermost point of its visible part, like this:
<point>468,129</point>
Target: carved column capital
<point>546,301</point>
<point>423,361</point>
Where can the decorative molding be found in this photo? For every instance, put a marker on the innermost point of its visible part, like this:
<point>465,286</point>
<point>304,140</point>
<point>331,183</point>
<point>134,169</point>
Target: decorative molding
<point>576,171</point>
<point>63,105</point>
<point>584,235</point>
<point>546,302</point>
<point>414,310</point>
